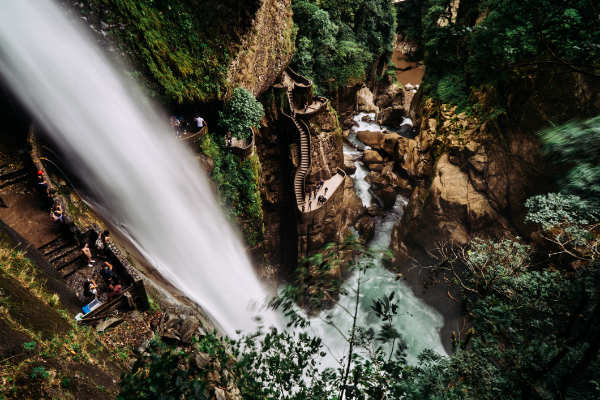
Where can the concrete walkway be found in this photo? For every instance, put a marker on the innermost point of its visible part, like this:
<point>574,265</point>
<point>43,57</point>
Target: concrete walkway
<point>331,185</point>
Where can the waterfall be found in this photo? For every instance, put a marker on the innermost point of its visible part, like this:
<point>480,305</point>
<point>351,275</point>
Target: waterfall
<point>148,184</point>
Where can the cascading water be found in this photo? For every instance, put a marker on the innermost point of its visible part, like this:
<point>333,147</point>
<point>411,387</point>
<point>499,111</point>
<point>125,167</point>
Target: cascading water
<point>418,323</point>
<point>148,184</point>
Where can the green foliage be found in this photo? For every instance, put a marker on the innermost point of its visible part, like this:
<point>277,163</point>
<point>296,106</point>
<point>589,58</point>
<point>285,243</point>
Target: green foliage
<point>241,113</point>
<point>39,372</point>
<point>29,346</point>
<point>575,147</point>
<point>555,209</point>
<point>493,41</point>
<point>164,373</point>
<point>238,186</point>
<point>451,89</point>
<point>65,382</point>
<point>178,46</point>
<point>338,41</point>
<point>408,20</point>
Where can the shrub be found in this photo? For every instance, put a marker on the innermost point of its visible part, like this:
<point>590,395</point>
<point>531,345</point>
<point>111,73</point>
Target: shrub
<point>241,113</point>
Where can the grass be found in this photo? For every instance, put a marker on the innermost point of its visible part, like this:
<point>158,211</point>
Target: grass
<point>50,357</point>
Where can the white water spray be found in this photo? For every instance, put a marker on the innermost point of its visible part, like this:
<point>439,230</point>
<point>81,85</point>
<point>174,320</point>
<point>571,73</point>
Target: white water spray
<point>150,185</point>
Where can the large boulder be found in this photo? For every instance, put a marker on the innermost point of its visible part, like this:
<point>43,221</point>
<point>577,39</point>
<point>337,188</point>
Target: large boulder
<point>349,165</point>
<point>392,116</point>
<point>392,95</point>
<point>371,138</point>
<point>365,101</point>
<point>390,142</point>
<point>372,157</point>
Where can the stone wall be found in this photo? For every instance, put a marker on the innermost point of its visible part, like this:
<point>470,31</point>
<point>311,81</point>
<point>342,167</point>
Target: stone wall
<point>266,50</point>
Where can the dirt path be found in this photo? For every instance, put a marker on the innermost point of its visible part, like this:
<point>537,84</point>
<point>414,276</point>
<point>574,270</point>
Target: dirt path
<point>26,213</point>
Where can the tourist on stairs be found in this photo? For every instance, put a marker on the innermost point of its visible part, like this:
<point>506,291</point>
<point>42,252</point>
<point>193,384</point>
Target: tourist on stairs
<point>114,289</point>
<point>200,122</point>
<point>88,253</point>
<point>42,184</point>
<point>107,272</point>
<point>90,289</point>
<point>102,241</point>
<point>56,214</point>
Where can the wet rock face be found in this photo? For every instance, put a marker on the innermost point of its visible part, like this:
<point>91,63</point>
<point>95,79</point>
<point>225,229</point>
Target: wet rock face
<point>365,101</point>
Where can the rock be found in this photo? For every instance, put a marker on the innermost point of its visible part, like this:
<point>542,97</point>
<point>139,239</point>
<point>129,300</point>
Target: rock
<point>390,141</point>
<point>201,359</point>
<point>368,118</point>
<point>372,157</point>
<point>349,123</point>
<point>104,325</point>
<point>391,116</point>
<point>365,227</point>
<point>388,196</point>
<point>371,138</point>
<point>220,394</point>
<point>172,322</point>
<point>393,95</point>
<point>349,165</point>
<point>189,327</point>
<point>364,101</point>
<point>170,337</point>
<point>432,124</point>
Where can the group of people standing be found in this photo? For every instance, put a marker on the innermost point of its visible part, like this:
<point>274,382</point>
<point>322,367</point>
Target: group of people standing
<point>112,286</point>
<point>313,194</point>
<point>183,127</point>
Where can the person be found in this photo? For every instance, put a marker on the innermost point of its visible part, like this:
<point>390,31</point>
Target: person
<point>199,122</point>
<point>177,126</point>
<point>302,207</point>
<point>102,240</point>
<point>56,214</point>
<point>107,271</point>
<point>88,253</point>
<point>325,192</point>
<point>42,184</point>
<point>114,289</point>
<point>309,203</point>
<point>90,289</point>
<point>322,199</point>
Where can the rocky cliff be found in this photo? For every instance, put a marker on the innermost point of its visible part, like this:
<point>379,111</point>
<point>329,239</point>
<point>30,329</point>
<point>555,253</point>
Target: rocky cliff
<point>289,233</point>
<point>470,177</point>
<point>265,50</point>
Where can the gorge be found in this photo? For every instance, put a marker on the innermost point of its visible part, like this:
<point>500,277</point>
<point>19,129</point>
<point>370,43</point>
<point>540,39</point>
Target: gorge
<point>299,199</point>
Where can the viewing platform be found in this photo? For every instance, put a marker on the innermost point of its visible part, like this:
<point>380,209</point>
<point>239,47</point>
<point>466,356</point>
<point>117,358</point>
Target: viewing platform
<point>242,147</point>
<point>193,137</point>
<point>329,188</point>
<point>299,91</point>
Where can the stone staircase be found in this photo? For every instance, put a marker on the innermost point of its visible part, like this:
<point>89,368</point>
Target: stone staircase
<point>299,178</point>
<point>10,176</point>
<point>304,135</point>
<point>64,254</point>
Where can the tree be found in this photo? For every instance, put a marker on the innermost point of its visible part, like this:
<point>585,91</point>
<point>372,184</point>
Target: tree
<point>575,147</point>
<point>241,113</point>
